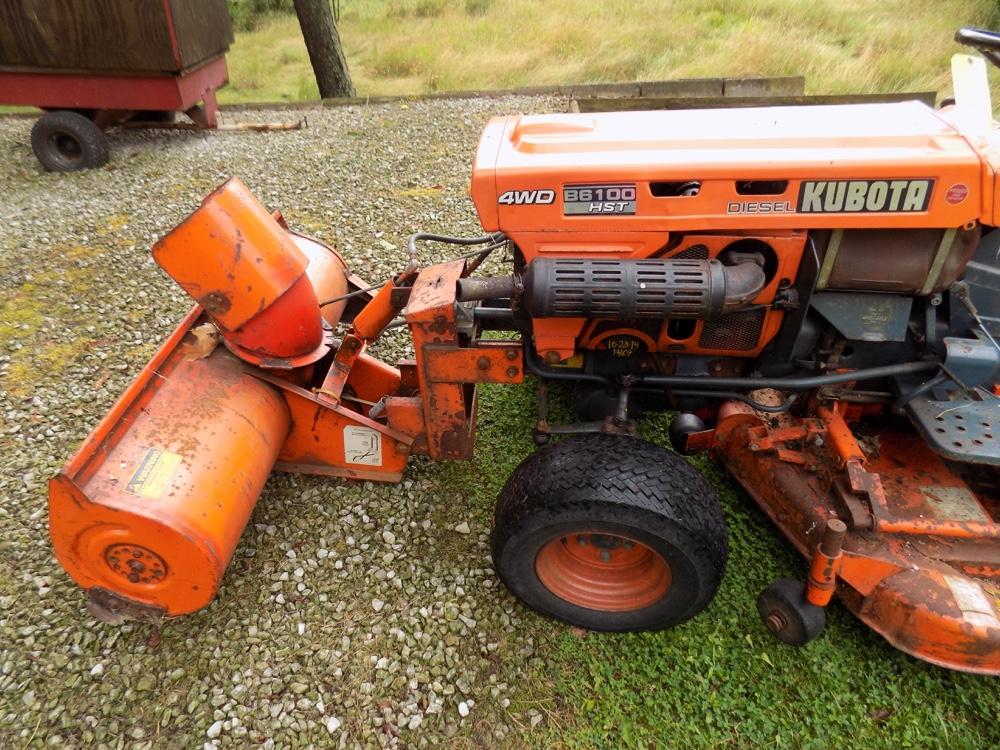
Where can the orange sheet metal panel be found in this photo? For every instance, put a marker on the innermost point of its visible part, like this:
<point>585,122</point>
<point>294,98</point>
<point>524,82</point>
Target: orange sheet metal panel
<point>335,441</point>
<point>231,256</point>
<point>328,274</point>
<point>249,274</point>
<point>153,504</point>
<point>525,163</point>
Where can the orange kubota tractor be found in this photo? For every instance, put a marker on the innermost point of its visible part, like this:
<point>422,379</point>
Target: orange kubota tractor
<point>815,290</point>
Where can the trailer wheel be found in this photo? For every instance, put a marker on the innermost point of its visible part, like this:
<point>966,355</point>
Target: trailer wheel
<point>609,532</point>
<point>66,141</point>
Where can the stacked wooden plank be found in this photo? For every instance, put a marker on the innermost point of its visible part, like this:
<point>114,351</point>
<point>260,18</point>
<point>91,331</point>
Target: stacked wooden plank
<point>710,93</point>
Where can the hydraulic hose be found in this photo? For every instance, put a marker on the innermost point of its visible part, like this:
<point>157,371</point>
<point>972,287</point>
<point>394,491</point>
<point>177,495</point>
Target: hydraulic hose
<point>702,382</point>
<point>413,253</point>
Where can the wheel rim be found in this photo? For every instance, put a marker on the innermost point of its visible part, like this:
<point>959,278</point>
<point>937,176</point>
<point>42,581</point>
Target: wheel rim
<point>601,571</point>
<point>66,146</point>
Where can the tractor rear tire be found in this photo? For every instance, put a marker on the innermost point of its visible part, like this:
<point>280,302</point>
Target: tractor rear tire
<point>609,532</point>
<point>66,141</point>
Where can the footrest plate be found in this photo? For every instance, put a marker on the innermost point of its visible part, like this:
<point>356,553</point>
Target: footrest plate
<point>962,426</point>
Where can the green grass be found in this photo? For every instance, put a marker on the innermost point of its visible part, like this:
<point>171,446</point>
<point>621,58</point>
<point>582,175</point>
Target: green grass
<point>419,46</point>
<point>720,680</point>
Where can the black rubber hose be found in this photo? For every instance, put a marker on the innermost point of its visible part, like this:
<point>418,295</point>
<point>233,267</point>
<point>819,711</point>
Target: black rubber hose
<point>411,244</point>
<point>727,384</point>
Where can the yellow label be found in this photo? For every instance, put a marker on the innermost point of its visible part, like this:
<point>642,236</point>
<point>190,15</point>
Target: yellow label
<point>575,362</point>
<point>155,471</point>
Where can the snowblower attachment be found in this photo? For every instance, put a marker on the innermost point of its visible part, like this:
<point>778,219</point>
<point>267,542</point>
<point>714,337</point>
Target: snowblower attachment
<point>148,512</point>
<point>250,277</point>
<point>147,515</point>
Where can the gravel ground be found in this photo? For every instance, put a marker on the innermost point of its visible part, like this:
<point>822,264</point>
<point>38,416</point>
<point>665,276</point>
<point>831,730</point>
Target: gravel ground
<point>352,614</point>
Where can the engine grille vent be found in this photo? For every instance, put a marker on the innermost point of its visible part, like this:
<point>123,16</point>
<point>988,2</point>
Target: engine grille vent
<point>695,252</point>
<point>736,332</point>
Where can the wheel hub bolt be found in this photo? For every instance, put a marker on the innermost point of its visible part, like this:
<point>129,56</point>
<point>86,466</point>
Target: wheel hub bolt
<point>775,622</point>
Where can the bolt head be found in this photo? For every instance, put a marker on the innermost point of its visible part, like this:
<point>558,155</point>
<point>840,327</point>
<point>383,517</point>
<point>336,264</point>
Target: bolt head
<point>776,622</point>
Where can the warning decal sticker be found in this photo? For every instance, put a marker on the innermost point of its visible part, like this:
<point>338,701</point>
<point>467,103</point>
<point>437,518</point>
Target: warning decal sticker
<point>362,445</point>
<point>155,471</point>
<point>975,605</point>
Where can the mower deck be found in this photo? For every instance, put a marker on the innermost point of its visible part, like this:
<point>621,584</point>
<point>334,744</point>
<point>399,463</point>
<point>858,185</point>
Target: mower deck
<point>921,561</point>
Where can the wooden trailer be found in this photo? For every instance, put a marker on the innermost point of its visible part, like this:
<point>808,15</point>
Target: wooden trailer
<point>91,64</point>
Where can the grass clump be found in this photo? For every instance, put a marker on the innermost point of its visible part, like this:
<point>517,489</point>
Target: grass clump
<point>247,14</point>
<point>841,46</point>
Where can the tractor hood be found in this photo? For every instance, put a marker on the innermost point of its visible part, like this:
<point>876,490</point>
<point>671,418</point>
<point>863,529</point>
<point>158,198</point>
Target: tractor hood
<point>874,165</point>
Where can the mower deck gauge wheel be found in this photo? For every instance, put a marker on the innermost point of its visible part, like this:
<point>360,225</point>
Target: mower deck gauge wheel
<point>786,612</point>
<point>609,532</point>
<point>681,426</point>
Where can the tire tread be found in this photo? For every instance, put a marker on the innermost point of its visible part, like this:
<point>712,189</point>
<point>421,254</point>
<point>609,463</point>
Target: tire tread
<point>573,476</point>
<point>96,150</point>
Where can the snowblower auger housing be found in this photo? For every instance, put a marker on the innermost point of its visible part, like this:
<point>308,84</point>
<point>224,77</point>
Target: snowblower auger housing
<point>815,290</point>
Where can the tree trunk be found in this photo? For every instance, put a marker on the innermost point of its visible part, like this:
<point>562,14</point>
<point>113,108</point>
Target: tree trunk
<point>325,52</point>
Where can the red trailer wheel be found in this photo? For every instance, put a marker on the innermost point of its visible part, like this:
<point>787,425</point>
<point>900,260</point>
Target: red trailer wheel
<point>66,141</point>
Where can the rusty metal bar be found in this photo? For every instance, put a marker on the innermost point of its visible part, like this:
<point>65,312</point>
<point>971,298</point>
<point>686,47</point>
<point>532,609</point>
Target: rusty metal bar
<point>825,564</point>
